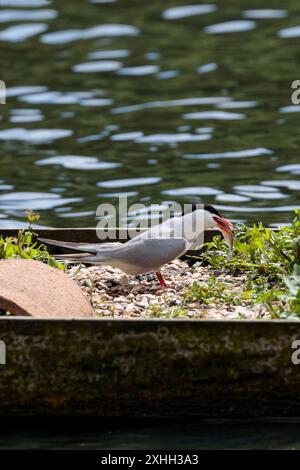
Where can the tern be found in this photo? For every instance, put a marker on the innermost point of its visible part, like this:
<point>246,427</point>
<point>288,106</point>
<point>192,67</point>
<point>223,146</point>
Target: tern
<point>151,249</point>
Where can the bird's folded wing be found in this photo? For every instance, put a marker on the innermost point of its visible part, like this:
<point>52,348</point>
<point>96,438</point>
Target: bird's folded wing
<point>145,253</point>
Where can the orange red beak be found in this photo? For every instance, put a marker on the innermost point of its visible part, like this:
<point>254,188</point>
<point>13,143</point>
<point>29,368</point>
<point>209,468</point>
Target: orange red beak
<point>224,225</point>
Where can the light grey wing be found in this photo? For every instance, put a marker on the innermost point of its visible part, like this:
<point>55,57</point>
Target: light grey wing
<point>143,255</point>
<point>163,230</point>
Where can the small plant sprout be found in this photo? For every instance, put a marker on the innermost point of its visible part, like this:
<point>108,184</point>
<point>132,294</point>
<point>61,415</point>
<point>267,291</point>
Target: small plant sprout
<point>32,217</point>
<point>25,246</point>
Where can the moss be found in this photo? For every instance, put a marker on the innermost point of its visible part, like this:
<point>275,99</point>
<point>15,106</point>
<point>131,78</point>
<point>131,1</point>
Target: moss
<point>148,367</point>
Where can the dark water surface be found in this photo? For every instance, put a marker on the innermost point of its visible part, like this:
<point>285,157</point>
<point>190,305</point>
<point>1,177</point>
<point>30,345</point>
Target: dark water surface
<point>163,101</point>
<point>209,435</point>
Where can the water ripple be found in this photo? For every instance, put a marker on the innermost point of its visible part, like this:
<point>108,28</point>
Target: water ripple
<point>101,66</point>
<point>85,98</point>
<point>264,195</point>
<point>293,168</point>
<point>256,152</point>
<point>167,74</point>
<point>33,201</point>
<point>34,136</point>
<point>265,14</point>
<point>230,27</point>
<point>127,182</point>
<point>172,138</point>
<point>215,115</point>
<point>255,209</point>
<point>96,102</point>
<point>292,185</point>
<point>22,90</point>
<point>236,104</point>
<point>192,191</point>
<point>76,162</point>
<point>26,15</point>
<point>197,101</point>
<point>109,54</point>
<point>105,30</point>
<point>5,187</point>
<point>254,188</point>
<point>287,33</point>
<point>294,108</point>
<point>139,70</point>
<point>185,11</point>
<point>126,136</point>
<point>22,118</point>
<point>77,214</point>
<point>25,3</point>
<point>118,194</point>
<point>170,71</point>
<point>21,32</point>
<point>48,97</point>
<point>206,68</point>
<point>24,111</point>
<point>232,198</point>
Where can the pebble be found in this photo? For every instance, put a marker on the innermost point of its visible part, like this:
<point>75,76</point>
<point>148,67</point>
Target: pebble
<point>118,307</point>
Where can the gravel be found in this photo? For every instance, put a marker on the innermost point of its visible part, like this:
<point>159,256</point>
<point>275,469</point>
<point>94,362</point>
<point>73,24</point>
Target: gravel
<point>115,295</point>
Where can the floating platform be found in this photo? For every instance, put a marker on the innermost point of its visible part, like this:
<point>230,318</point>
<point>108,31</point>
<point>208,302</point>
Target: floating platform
<point>148,368</point>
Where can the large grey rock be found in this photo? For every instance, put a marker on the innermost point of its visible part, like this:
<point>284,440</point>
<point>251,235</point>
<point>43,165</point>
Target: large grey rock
<point>32,288</point>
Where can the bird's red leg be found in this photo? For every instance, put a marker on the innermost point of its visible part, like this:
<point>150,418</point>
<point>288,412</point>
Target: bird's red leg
<point>161,279</point>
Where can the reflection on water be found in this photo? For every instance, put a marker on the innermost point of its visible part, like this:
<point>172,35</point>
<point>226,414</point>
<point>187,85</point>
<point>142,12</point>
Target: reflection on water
<point>230,27</point>
<point>230,155</point>
<point>38,136</point>
<point>185,102</point>
<point>27,15</point>
<point>78,163</point>
<point>185,11</point>
<point>264,14</point>
<point>33,201</point>
<point>22,32</point>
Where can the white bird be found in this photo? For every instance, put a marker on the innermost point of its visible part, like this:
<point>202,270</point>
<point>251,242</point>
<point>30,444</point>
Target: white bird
<point>150,250</point>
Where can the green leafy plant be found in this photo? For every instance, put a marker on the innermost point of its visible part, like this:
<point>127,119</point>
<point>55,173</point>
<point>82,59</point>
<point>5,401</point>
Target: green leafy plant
<point>25,246</point>
<point>212,292</point>
<point>292,296</point>
<point>263,250</point>
<point>170,312</point>
<point>271,259</point>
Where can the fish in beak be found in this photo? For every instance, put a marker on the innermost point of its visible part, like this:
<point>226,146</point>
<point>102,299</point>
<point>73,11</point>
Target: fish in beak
<point>225,226</point>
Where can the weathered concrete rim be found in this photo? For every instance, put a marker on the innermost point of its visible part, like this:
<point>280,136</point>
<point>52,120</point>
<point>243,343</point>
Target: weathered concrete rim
<point>152,368</point>
<point>165,321</point>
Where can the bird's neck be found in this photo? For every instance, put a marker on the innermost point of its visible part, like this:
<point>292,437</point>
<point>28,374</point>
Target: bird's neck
<point>190,226</point>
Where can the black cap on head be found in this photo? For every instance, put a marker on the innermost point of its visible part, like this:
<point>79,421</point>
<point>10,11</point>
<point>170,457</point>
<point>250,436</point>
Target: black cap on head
<point>211,209</point>
<point>206,207</point>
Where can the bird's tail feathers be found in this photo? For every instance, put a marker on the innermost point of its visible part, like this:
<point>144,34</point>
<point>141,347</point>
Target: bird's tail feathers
<point>86,247</point>
<point>77,258</point>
